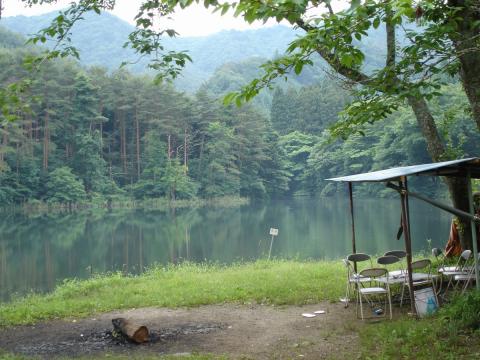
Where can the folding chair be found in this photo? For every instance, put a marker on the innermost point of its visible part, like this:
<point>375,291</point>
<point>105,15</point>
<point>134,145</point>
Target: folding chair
<point>440,258</point>
<point>461,268</point>
<point>353,278</point>
<point>389,260</point>
<point>400,254</point>
<point>359,257</point>
<point>420,279</point>
<point>467,278</point>
<point>370,293</point>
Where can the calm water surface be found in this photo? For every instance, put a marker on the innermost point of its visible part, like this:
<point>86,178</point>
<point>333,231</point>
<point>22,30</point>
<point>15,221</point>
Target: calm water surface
<point>38,252</point>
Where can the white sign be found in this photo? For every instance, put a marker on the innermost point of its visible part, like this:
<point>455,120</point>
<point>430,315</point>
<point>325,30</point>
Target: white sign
<point>273,231</point>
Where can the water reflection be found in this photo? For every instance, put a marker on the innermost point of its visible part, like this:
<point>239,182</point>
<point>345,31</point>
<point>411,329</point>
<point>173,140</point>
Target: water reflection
<point>36,252</point>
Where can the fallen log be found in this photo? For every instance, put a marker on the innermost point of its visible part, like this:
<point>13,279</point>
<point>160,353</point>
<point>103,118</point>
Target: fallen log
<point>132,331</point>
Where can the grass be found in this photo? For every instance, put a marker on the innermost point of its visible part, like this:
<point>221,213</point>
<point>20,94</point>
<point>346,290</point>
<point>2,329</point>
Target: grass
<point>278,282</point>
<point>453,333</point>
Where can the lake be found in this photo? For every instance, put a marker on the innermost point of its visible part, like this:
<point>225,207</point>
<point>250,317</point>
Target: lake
<point>39,251</point>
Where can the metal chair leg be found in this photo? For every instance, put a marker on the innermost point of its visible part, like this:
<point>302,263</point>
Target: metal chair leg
<point>361,304</point>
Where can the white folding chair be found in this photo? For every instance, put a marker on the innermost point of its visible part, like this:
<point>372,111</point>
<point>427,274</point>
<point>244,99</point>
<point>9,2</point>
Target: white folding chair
<point>467,278</point>
<point>378,289</point>
<point>353,278</point>
<point>389,260</point>
<point>400,254</point>
<point>420,279</point>
<point>440,257</point>
<point>462,267</point>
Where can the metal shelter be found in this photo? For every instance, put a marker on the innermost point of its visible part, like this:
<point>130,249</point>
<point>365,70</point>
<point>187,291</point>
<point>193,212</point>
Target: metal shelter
<point>468,168</point>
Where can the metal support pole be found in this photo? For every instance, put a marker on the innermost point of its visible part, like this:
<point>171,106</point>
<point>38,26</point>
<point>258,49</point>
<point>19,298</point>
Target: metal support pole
<point>354,246</point>
<point>270,250</point>
<point>474,228</point>
<point>447,208</point>
<point>408,241</point>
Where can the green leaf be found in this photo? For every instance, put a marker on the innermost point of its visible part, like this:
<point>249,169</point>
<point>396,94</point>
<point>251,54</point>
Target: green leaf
<point>354,4</point>
<point>298,68</point>
<point>227,100</point>
<point>225,8</point>
<point>171,32</point>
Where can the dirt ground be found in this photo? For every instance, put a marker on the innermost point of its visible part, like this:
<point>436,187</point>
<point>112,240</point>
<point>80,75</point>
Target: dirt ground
<point>237,331</point>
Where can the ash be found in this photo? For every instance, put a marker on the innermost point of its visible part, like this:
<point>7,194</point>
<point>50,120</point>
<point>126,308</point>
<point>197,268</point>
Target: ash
<point>109,340</point>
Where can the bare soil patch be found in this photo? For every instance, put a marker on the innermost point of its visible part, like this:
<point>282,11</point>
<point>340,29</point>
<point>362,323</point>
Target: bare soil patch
<point>237,331</point>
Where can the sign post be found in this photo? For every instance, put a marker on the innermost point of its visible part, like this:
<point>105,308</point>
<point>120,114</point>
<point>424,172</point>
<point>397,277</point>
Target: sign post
<point>273,232</point>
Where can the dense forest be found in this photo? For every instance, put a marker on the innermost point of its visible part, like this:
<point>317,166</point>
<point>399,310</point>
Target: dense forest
<point>94,135</point>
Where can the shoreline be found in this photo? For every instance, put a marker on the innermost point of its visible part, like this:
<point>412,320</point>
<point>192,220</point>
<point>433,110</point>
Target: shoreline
<point>162,204</point>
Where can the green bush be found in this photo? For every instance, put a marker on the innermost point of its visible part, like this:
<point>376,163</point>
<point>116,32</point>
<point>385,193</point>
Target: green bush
<point>463,313</point>
<point>452,333</point>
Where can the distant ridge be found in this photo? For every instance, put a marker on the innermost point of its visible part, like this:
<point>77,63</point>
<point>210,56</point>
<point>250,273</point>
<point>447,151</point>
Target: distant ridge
<point>100,39</point>
<point>10,39</point>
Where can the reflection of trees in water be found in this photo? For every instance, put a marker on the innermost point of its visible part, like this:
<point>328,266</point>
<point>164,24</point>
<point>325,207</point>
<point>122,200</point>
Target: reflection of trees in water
<point>34,248</point>
<point>37,251</point>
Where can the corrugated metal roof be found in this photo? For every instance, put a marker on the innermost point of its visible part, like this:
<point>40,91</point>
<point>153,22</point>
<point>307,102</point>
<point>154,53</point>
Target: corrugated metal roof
<point>445,168</point>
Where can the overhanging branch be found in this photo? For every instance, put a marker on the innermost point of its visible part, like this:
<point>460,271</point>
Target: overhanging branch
<point>351,74</point>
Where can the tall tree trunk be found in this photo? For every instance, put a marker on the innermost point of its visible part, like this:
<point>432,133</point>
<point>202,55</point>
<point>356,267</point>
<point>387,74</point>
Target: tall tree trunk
<point>36,130</point>
<point>465,40</point>
<point>123,146</point>
<point>169,147</point>
<point>17,158</point>
<point>101,137</point>
<point>200,157</point>
<point>4,144</point>
<point>110,175</point>
<point>457,187</point>
<point>390,29</point>
<point>46,140</point>
<point>30,136</point>
<point>185,152</point>
<point>470,75</point>
<point>427,125</point>
<point>137,140</point>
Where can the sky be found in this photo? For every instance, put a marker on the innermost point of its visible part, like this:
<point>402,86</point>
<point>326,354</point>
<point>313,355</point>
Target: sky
<point>194,21</point>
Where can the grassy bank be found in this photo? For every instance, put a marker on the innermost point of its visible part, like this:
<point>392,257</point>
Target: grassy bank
<point>272,282</point>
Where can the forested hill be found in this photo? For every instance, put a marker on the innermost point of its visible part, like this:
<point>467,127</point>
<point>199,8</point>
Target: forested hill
<point>100,39</point>
<point>94,135</point>
<point>10,39</point>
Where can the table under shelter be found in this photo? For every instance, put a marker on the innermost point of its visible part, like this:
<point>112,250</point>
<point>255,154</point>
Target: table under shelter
<point>396,179</point>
